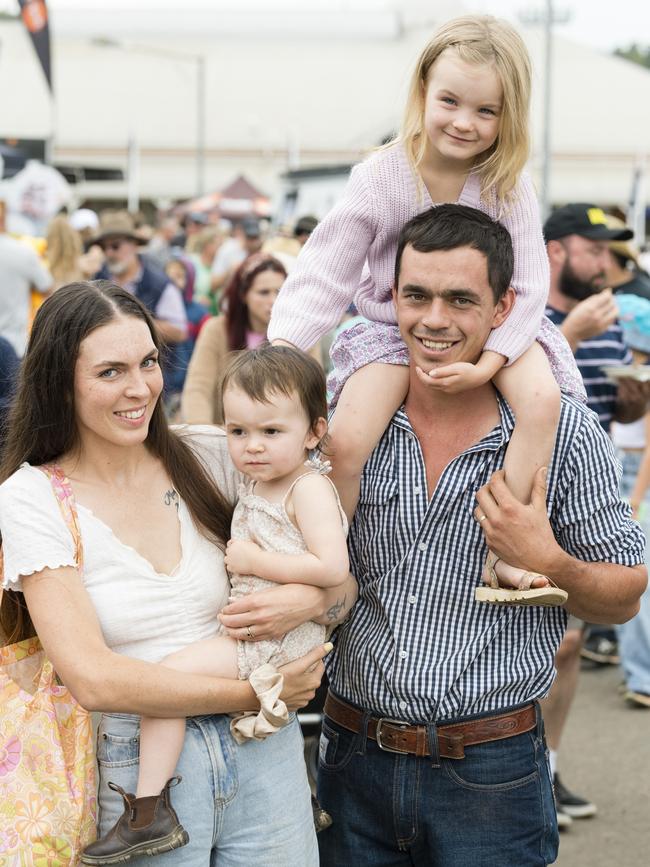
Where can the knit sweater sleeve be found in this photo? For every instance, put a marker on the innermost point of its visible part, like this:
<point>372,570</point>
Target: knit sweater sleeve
<point>325,280</point>
<point>530,278</point>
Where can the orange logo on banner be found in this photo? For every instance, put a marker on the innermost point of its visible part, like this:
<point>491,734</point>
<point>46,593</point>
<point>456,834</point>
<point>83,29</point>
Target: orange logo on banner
<point>34,14</point>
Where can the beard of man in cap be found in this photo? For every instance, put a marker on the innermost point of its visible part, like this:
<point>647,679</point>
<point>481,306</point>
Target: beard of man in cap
<point>579,288</point>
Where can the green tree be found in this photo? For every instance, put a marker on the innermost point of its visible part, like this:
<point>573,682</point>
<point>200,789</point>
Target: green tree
<point>636,53</point>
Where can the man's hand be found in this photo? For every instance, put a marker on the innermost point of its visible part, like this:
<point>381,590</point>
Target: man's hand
<point>632,391</point>
<point>241,556</point>
<point>519,534</point>
<point>452,378</point>
<point>631,400</point>
<point>590,317</point>
<point>272,613</point>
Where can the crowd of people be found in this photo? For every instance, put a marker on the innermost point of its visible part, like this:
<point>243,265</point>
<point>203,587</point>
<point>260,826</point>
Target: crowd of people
<point>483,373</point>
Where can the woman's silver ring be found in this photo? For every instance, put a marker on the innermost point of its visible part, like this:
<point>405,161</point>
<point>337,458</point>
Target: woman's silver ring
<point>482,518</point>
<point>249,632</point>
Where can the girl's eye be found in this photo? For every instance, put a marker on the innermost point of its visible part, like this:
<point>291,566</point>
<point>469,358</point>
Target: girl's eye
<point>150,362</point>
<point>448,100</point>
<point>489,111</point>
<point>236,432</point>
<point>109,373</point>
<point>270,431</point>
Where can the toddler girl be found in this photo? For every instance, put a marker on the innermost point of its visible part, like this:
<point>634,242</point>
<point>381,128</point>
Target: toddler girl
<point>464,139</point>
<point>288,527</point>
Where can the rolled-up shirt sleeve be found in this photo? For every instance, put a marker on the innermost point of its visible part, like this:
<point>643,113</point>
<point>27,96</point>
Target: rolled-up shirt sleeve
<point>589,519</point>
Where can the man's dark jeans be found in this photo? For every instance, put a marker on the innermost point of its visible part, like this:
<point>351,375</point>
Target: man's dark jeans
<point>494,808</point>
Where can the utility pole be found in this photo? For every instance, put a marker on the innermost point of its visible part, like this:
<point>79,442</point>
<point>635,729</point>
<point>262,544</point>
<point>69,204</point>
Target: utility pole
<point>548,17</point>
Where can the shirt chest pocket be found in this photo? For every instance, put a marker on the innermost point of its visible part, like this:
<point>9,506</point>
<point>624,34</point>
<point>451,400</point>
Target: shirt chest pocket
<point>375,526</point>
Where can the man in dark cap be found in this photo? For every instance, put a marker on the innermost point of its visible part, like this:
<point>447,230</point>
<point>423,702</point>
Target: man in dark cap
<point>303,229</point>
<point>577,240</point>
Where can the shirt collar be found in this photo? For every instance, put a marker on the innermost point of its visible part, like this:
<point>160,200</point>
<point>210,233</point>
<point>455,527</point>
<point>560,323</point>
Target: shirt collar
<point>496,438</point>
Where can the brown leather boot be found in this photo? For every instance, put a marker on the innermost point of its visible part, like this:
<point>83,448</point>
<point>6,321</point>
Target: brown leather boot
<point>148,826</point>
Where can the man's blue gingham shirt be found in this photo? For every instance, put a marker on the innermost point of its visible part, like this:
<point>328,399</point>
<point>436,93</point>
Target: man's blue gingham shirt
<point>417,647</point>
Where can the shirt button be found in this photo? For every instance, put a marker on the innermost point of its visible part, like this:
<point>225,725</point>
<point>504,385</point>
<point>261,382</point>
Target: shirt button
<point>403,705</point>
<point>402,654</point>
<point>412,600</point>
<point>416,490</point>
<point>422,547</point>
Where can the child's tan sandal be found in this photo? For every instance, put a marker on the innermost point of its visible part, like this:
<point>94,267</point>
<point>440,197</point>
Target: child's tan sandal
<point>526,594</point>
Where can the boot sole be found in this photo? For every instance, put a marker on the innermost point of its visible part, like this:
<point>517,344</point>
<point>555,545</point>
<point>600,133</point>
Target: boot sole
<point>179,837</point>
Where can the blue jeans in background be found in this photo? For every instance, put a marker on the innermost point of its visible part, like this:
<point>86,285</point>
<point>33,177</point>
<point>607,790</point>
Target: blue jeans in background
<point>494,808</point>
<point>243,806</point>
<point>634,636</point>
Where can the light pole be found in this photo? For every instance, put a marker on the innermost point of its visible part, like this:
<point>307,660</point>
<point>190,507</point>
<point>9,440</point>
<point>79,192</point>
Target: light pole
<point>199,60</point>
<point>548,18</point>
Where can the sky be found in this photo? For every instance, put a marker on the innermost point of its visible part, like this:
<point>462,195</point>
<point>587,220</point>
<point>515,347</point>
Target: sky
<point>604,24</point>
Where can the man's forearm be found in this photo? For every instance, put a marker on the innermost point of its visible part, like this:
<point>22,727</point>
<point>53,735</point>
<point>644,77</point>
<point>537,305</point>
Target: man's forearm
<point>572,338</point>
<point>337,602</point>
<point>599,592</point>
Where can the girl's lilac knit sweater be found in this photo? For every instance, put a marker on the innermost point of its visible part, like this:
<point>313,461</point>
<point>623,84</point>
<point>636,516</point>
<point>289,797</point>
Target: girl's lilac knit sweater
<point>351,255</point>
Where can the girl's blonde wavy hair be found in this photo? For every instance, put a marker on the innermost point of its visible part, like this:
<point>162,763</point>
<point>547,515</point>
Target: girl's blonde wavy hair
<point>479,39</point>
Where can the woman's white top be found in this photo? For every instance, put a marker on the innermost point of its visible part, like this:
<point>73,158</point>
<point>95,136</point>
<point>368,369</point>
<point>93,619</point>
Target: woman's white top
<point>142,613</point>
<point>629,436</point>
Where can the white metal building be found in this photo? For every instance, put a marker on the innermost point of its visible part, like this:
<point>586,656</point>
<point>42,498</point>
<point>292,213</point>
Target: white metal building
<point>283,91</point>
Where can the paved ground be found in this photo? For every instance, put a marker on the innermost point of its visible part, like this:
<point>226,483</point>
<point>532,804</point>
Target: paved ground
<point>605,755</point>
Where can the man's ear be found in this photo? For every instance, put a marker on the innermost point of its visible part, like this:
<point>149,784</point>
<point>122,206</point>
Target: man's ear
<point>556,252</point>
<point>503,307</point>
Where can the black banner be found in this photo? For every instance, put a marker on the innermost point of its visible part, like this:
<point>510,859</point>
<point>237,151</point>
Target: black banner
<point>35,19</point>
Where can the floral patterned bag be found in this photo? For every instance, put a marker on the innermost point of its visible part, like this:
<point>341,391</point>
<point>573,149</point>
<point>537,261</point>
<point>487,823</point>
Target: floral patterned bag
<point>47,764</point>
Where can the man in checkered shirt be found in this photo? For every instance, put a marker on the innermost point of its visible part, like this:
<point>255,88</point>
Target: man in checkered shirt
<point>432,751</point>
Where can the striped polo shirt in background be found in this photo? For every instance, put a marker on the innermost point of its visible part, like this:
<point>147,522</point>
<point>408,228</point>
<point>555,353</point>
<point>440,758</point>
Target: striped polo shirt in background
<point>606,349</point>
<point>417,646</point>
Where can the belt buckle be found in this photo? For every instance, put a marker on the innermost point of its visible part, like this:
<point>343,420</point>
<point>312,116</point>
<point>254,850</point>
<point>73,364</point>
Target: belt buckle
<point>394,722</point>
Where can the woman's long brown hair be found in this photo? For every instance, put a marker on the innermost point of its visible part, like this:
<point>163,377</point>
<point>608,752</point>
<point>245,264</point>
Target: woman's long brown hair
<point>237,322</point>
<point>41,427</point>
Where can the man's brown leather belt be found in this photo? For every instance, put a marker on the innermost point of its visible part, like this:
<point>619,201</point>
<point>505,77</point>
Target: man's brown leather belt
<point>398,737</point>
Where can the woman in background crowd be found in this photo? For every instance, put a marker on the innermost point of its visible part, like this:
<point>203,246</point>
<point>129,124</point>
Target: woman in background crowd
<point>248,300</point>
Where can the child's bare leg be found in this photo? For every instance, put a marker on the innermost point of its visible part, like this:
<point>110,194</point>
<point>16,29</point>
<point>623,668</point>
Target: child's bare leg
<point>368,401</point>
<point>534,396</point>
<point>161,740</point>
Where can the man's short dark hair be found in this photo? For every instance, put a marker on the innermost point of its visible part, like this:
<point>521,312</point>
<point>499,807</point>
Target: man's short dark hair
<point>447,227</point>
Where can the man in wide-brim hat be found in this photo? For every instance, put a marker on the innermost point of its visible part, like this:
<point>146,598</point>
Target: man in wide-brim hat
<point>123,265</point>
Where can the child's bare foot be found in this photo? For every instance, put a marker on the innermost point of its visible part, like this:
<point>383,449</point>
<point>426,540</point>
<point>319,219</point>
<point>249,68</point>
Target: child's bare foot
<point>513,577</point>
<point>521,587</point>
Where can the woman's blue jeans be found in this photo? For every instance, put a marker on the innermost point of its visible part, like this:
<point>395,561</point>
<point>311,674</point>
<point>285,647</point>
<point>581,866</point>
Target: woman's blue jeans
<point>494,808</point>
<point>243,806</point>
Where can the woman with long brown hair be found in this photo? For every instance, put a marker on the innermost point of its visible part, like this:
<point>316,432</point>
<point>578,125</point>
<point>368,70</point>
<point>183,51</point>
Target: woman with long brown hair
<point>248,301</point>
<point>153,508</point>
